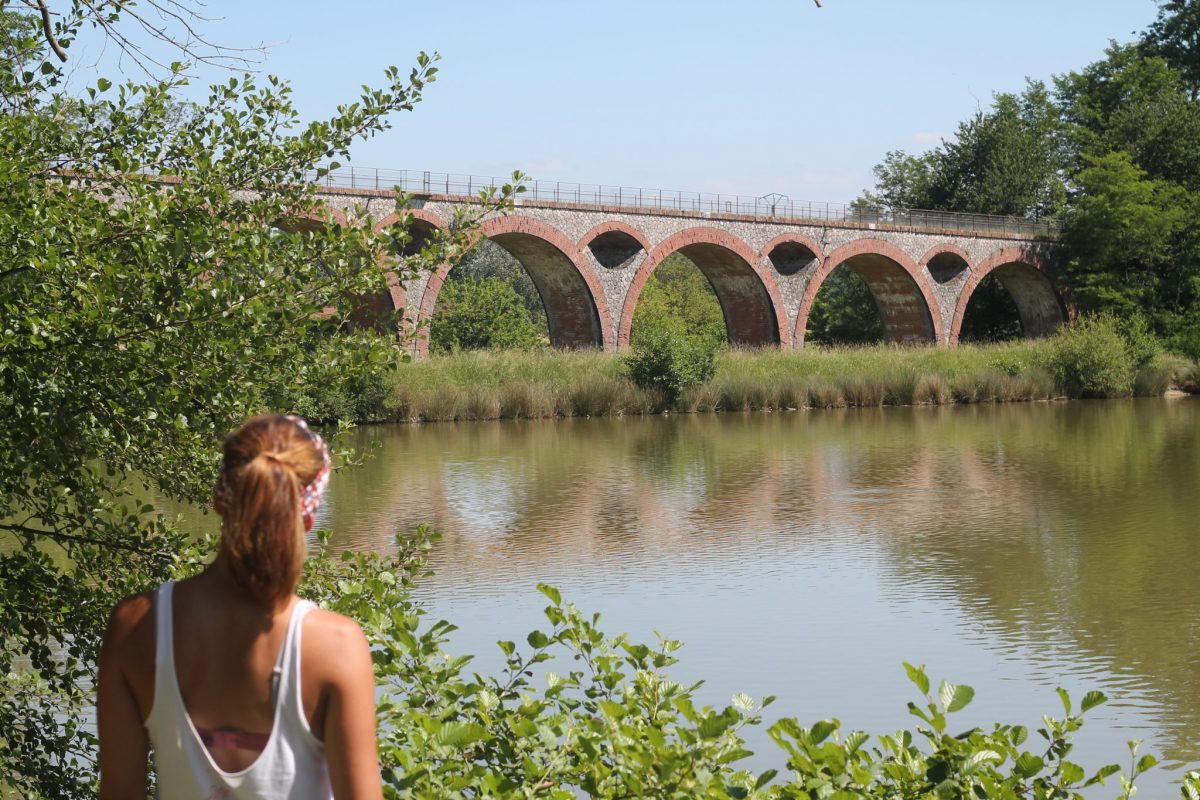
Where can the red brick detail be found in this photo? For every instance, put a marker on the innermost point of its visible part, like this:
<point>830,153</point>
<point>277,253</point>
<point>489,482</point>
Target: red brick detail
<point>395,287</point>
<point>515,223</point>
<point>765,253</point>
<point>608,227</point>
<point>1009,255</point>
<point>415,213</point>
<point>310,220</point>
<point>705,235</point>
<point>945,247</point>
<point>872,247</point>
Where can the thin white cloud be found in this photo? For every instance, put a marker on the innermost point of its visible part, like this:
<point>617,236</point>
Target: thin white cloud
<point>929,137</point>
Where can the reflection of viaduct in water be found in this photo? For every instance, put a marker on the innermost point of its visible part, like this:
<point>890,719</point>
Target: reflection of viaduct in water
<point>590,263</point>
<point>1020,514</point>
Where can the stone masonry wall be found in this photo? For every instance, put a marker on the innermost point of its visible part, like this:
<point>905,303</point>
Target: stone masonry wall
<point>762,302</point>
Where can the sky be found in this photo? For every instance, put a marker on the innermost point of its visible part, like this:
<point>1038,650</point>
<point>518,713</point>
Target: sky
<point>745,97</point>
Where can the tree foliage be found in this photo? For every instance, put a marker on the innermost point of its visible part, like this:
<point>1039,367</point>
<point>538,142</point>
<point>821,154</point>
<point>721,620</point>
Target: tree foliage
<point>481,313</point>
<point>155,292</point>
<point>489,260</point>
<point>678,295</point>
<point>1113,149</point>
<point>844,311</point>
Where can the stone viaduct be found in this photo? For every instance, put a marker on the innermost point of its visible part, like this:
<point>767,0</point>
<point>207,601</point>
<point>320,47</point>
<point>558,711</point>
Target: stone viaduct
<point>590,261</point>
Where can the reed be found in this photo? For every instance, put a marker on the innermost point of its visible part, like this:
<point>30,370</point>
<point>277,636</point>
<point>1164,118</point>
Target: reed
<point>547,383</point>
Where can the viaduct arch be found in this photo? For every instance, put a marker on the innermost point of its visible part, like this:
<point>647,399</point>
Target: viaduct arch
<point>750,300</point>
<point>590,264</point>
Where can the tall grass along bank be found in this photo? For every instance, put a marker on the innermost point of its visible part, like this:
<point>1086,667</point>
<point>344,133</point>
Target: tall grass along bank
<point>547,383</point>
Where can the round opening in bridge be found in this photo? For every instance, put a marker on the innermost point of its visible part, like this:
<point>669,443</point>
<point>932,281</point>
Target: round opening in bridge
<point>991,315</point>
<point>844,311</point>
<point>945,267</point>
<point>615,249</point>
<point>420,234</point>
<point>790,258</point>
<point>679,301</point>
<point>1013,301</point>
<point>488,302</point>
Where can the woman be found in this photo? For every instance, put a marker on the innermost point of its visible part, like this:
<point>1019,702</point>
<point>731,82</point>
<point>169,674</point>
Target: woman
<point>244,690</point>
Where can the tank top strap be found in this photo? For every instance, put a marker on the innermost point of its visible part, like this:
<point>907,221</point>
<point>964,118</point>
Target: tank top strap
<point>288,695</point>
<point>164,645</point>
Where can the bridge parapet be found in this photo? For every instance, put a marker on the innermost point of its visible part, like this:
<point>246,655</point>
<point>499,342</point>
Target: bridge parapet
<point>774,207</point>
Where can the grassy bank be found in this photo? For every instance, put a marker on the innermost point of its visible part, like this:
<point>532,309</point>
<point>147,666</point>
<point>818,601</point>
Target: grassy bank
<point>548,383</point>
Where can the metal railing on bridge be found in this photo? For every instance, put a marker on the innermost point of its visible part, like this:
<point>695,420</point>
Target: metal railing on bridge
<point>773,207</point>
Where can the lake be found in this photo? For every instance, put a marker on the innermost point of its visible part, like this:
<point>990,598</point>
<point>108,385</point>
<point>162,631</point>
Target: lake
<point>1014,548</point>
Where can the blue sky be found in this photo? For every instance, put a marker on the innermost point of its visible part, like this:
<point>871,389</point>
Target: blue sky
<point>749,97</point>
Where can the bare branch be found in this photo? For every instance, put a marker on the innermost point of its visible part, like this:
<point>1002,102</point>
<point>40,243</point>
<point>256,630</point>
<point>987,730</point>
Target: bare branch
<point>48,29</point>
<point>64,538</point>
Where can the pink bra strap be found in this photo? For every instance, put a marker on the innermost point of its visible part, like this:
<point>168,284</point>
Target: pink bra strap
<point>233,739</point>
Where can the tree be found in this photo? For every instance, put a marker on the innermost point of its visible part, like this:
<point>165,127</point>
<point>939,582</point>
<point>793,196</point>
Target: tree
<point>480,314</point>
<point>1175,36</point>
<point>1121,233</point>
<point>489,260</point>
<point>143,317</point>
<point>844,311</point>
<point>677,295</point>
<point>1006,160</point>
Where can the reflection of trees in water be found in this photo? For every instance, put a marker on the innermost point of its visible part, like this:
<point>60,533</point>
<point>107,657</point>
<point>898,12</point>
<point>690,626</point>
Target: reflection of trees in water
<point>1057,526</point>
<point>1082,542</point>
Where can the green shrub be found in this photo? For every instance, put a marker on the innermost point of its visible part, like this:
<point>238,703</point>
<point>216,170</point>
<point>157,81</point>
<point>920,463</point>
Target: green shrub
<point>1091,358</point>
<point>1185,334</point>
<point>1143,346</point>
<point>668,361</point>
<point>481,313</point>
<point>1154,379</point>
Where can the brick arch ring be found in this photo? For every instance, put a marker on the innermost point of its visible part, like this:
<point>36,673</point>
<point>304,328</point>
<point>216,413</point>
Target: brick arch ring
<point>944,247</point>
<point>875,247</point>
<point>323,217</point>
<point>1009,255</point>
<point>395,287</point>
<point>793,238</point>
<point>514,223</point>
<point>609,227</point>
<point>703,235</point>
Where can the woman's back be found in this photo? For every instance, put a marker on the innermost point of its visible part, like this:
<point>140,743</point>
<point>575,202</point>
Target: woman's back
<point>225,723</point>
<point>245,690</point>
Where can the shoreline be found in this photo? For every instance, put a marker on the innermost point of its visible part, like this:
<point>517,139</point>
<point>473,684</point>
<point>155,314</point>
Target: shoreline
<point>544,384</point>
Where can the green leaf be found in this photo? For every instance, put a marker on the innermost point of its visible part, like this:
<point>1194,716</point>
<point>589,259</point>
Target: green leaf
<point>1071,772</point>
<point>918,677</point>
<point>765,778</point>
<point>714,725</point>
<point>1091,700</point>
<point>1146,762</point>
<point>554,595</point>
<point>1103,773</point>
<point>1027,765</point>
<point>537,640</point>
<point>1066,700</point>
<point>460,734</point>
<point>820,731</point>
<point>953,697</point>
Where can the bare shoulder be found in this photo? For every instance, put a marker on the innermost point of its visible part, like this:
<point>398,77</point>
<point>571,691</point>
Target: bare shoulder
<point>334,642</point>
<point>131,621</point>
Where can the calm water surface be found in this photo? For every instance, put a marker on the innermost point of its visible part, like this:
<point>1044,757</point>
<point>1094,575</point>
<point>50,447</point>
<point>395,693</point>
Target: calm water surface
<point>806,555</point>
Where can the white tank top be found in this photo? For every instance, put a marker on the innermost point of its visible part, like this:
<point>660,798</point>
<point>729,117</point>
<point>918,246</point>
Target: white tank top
<point>291,766</point>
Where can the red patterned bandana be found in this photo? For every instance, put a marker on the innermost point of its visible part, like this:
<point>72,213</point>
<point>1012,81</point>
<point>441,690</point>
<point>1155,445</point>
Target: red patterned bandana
<point>310,495</point>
